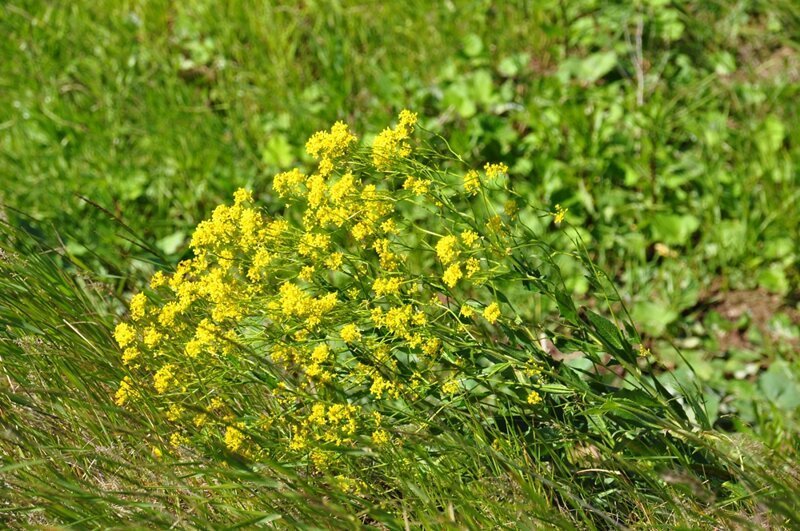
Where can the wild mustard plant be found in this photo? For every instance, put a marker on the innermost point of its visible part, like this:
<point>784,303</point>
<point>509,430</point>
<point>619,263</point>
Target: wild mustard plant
<point>390,300</point>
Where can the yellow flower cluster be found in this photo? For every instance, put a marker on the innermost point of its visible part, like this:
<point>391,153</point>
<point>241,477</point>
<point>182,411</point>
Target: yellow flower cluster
<point>350,333</point>
<point>125,391</point>
<point>534,398</point>
<point>288,183</point>
<point>337,305</point>
<point>494,170</point>
<point>447,249</point>
<point>124,334</point>
<point>392,144</point>
<point>452,275</point>
<point>416,185</point>
<point>234,438</point>
<point>386,286</point>
<point>492,312</point>
<point>328,146</point>
<point>560,214</point>
<point>472,182</point>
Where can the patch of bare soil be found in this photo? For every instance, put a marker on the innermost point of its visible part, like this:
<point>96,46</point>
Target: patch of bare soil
<point>759,305</point>
<point>765,64</point>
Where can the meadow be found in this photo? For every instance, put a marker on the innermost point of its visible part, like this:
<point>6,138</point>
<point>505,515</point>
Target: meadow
<point>402,264</point>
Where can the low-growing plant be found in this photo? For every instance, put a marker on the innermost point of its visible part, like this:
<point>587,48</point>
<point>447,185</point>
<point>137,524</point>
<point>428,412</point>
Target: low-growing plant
<point>382,339</point>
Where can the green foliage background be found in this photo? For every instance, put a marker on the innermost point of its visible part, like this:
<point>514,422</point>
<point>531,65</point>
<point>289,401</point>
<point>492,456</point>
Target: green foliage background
<point>669,129</point>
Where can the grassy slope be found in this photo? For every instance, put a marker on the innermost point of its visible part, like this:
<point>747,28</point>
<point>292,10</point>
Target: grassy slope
<point>158,111</point>
<point>681,166</point>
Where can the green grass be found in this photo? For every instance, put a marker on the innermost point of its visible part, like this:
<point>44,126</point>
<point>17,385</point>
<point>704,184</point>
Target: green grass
<point>122,124</point>
<point>72,457</point>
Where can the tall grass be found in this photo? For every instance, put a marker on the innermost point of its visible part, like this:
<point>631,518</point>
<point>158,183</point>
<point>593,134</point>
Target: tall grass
<point>609,452</point>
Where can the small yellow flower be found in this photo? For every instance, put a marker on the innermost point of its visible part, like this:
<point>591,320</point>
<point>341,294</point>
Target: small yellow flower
<point>345,186</point>
<point>495,224</point>
<point>432,346</point>
<point>177,440</point>
<point>320,354</point>
<point>469,237</point>
<point>307,273</point>
<point>532,370</point>
<point>452,275</point>
<point>288,183</point>
<point>380,437</point>
<point>130,354</point>
<point>350,333</point>
<point>328,146</point>
<point>125,392</point>
<point>560,214</point>
<point>351,485</point>
<point>389,226</point>
<point>334,261</point>
<point>534,398</point>
<point>124,334</point>
<point>406,120</point>
<point>158,280</point>
<point>388,259</point>
<point>447,249</point>
<point>451,387</point>
<point>392,144</point>
<point>151,336</point>
<point>416,186</point>
<point>163,377</point>
<point>298,442</point>
<point>386,286</point>
<point>472,182</point>
<point>492,312</point>
<point>137,306</point>
<point>234,437</point>
<point>493,170</point>
<point>174,412</point>
<point>320,458</point>
<point>472,265</point>
<point>242,195</point>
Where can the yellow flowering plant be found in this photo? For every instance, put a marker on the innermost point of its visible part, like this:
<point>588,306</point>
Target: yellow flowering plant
<point>393,300</point>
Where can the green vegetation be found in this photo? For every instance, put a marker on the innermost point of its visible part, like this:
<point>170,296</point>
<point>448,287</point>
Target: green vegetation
<point>669,130</point>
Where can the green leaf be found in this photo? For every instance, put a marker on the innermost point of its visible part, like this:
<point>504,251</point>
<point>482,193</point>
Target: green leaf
<point>769,137</point>
<point>457,96</point>
<point>473,45</point>
<point>566,306</point>
<point>595,66</point>
<point>673,229</point>
<point>133,187</point>
<point>170,244</point>
<point>653,317</point>
<point>512,65</point>
<point>277,152</point>
<point>482,87</point>
<point>779,385</point>
<point>774,279</point>
<point>607,331</point>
